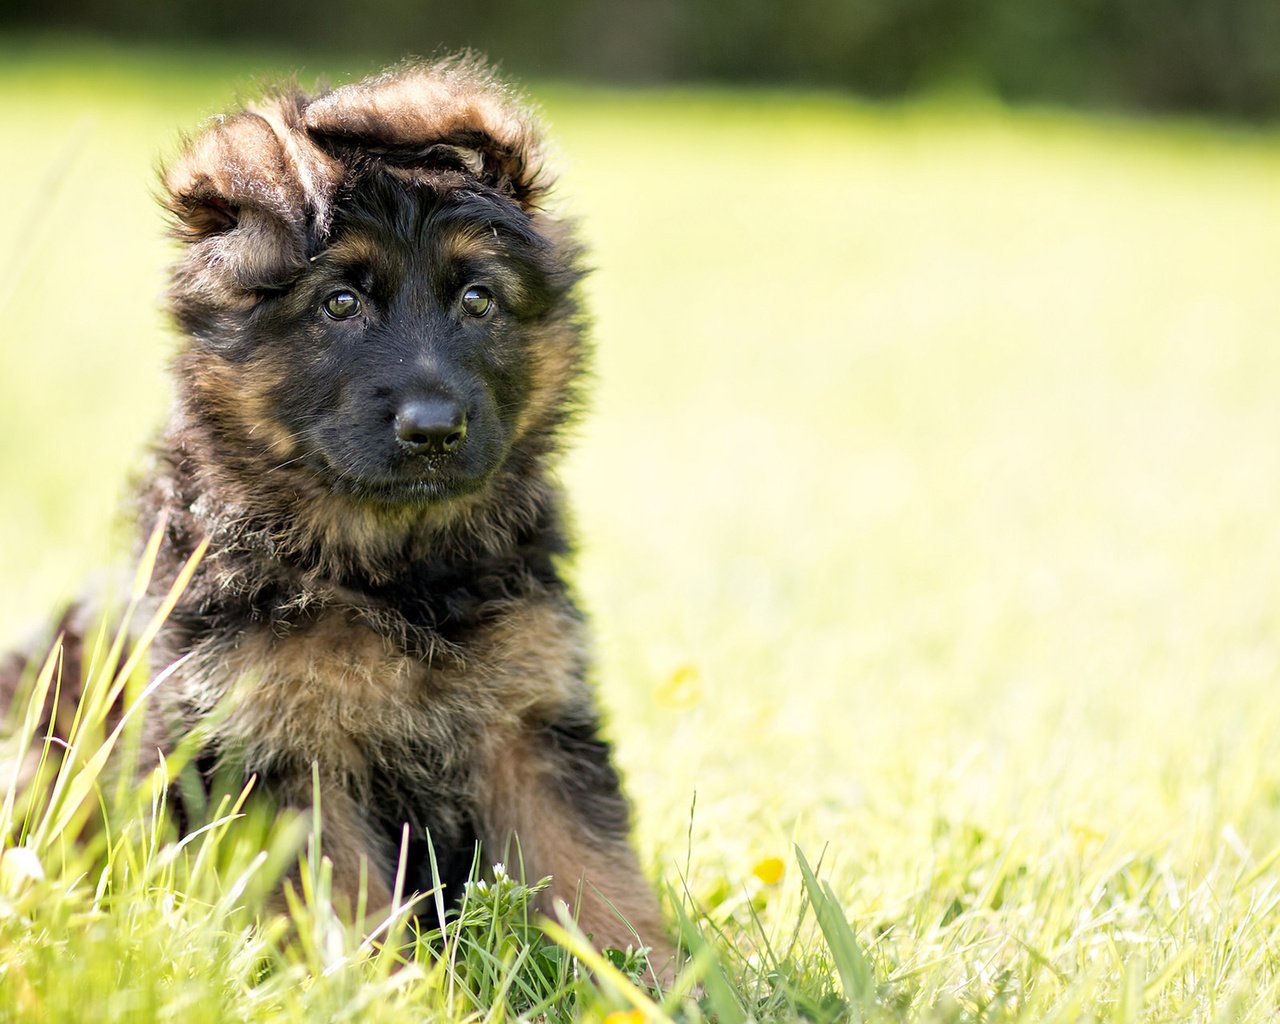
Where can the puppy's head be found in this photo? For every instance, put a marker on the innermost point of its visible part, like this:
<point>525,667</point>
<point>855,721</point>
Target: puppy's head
<point>377,306</point>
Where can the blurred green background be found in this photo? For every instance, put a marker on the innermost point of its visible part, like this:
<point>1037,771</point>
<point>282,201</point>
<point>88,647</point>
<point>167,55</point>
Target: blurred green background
<point>1208,55</point>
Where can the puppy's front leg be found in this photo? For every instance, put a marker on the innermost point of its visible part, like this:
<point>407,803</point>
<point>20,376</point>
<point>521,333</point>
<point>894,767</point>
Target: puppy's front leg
<point>553,798</point>
<point>346,841</point>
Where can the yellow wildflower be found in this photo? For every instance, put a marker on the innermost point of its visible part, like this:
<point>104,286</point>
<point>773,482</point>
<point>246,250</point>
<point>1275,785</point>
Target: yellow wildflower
<point>625,1017</point>
<point>680,691</point>
<point>770,870</point>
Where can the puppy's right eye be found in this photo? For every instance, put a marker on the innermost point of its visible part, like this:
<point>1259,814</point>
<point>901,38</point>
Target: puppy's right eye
<point>477,301</point>
<point>342,305</point>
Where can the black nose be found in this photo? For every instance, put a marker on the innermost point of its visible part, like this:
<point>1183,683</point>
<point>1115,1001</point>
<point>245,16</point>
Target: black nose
<point>431,425</point>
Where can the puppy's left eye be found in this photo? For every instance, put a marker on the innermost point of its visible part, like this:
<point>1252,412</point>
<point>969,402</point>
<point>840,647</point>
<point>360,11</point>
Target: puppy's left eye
<point>477,300</point>
<point>342,305</point>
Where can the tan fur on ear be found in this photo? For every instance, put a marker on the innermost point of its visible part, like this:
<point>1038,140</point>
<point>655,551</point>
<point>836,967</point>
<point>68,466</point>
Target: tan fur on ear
<point>242,191</point>
<point>254,191</point>
<point>452,110</point>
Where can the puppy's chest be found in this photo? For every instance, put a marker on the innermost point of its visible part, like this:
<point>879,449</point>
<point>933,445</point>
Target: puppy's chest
<point>335,691</point>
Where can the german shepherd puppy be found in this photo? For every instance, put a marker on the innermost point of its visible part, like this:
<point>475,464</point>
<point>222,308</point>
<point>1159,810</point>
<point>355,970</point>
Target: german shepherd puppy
<point>382,344</point>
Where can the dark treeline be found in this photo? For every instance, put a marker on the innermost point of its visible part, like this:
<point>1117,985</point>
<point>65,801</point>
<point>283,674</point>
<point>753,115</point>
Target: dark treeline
<point>1208,56</point>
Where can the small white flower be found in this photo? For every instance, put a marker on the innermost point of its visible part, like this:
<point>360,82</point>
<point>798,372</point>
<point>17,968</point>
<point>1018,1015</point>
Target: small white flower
<point>19,866</point>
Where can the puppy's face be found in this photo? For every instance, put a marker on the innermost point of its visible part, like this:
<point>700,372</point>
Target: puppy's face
<point>377,306</point>
<point>401,361</point>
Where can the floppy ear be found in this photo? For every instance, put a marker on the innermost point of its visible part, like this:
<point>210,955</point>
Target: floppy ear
<point>452,114</point>
<point>240,197</point>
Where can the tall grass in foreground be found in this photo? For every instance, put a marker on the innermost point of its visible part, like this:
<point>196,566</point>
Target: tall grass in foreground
<point>109,912</point>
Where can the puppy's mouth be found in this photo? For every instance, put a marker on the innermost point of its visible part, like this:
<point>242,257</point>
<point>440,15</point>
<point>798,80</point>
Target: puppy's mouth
<point>433,487</point>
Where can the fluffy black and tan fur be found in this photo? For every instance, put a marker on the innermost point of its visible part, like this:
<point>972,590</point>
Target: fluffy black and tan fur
<point>381,596</point>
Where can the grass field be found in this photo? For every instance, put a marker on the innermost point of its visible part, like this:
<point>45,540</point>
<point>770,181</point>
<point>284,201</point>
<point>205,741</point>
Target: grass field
<point>929,523</point>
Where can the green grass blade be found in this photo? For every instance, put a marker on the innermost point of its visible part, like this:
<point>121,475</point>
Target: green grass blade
<point>706,966</point>
<point>856,976</point>
<point>569,936</point>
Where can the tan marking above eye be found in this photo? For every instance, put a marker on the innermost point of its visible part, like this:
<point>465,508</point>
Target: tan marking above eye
<point>354,250</point>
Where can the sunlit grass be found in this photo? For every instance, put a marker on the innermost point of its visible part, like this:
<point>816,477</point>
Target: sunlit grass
<point>928,516</point>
